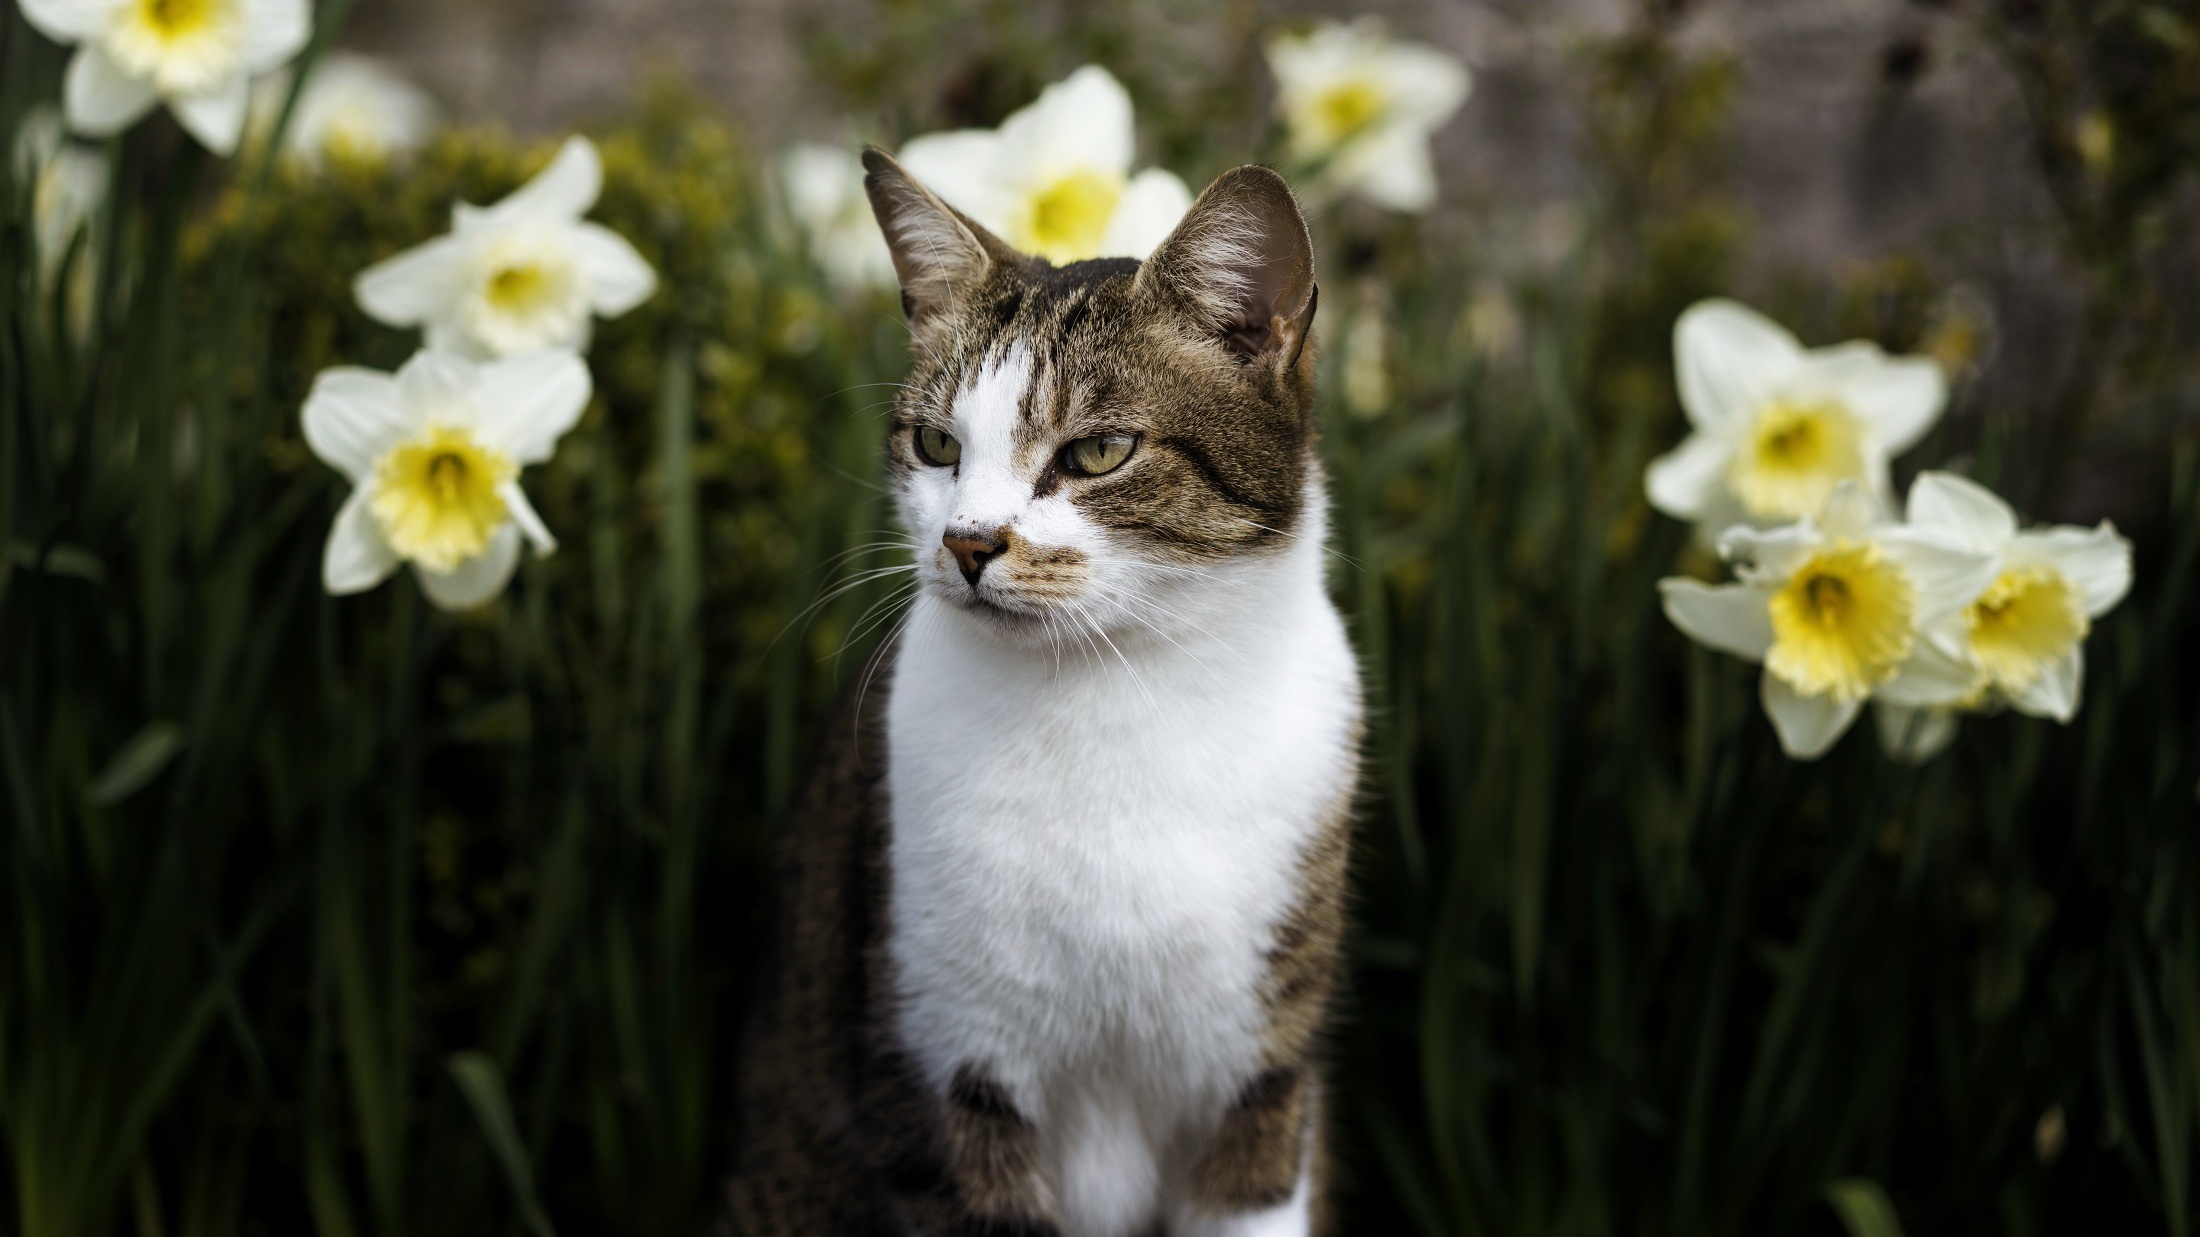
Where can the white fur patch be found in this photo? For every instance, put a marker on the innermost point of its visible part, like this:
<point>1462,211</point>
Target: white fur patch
<point>1093,841</point>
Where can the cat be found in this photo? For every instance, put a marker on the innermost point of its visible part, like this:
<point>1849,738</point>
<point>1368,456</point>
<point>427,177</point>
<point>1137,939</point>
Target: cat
<point>1064,898</point>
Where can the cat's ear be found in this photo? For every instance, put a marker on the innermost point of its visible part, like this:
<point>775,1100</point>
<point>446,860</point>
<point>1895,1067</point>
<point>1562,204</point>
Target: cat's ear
<point>937,249</point>
<point>1242,266</point>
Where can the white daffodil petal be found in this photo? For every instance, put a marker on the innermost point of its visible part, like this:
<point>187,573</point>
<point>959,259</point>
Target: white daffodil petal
<point>1807,725</point>
<point>215,117</point>
<point>1768,555</point>
<point>69,21</point>
<point>958,166</point>
<point>1900,397</point>
<point>1931,677</point>
<point>1732,618</point>
<point>619,278</point>
<point>1683,482</point>
<point>354,415</point>
<point>1392,168</point>
<point>529,522</point>
<point>1914,736</point>
<point>1426,86</point>
<point>476,580</point>
<point>1081,122</point>
<point>1947,576</point>
<point>356,557</point>
<point>408,288</point>
<point>526,402</point>
<point>440,387</point>
<point>1730,359</point>
<point>277,30</point>
<point>1151,207</point>
<point>2097,560</point>
<point>102,98</point>
<point>1852,510</point>
<point>2057,690</point>
<point>563,191</point>
<point>1962,508</point>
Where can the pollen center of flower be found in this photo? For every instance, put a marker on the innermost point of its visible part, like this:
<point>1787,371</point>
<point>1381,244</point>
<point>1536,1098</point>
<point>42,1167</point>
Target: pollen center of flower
<point>1346,108</point>
<point>1069,217</point>
<point>184,46</point>
<point>1841,625</point>
<point>2026,619</point>
<point>527,293</point>
<point>436,497</point>
<point>1794,456</point>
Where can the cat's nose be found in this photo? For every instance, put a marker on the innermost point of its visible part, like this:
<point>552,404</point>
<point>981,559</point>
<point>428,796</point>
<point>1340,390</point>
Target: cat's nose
<point>973,549</point>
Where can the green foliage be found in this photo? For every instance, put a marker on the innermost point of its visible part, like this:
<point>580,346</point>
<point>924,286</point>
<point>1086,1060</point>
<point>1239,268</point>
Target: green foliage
<point>346,916</point>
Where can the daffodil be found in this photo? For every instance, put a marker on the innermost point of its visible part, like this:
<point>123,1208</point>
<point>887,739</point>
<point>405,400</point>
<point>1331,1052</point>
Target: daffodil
<point>353,108</point>
<point>823,187</point>
<point>434,453</point>
<point>1776,427</point>
<point>2023,634</point>
<point>1835,608</point>
<point>198,56</point>
<point>1055,179</point>
<point>68,184</point>
<point>520,276</point>
<point>1360,107</point>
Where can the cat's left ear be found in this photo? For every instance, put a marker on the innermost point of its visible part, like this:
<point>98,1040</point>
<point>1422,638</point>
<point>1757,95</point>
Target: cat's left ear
<point>1241,264</point>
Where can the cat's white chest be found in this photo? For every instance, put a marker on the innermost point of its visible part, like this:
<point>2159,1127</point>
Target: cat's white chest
<point>1088,862</point>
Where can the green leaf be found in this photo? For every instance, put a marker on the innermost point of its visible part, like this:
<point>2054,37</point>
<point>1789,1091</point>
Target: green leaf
<point>1863,1208</point>
<point>140,761</point>
<point>483,1086</point>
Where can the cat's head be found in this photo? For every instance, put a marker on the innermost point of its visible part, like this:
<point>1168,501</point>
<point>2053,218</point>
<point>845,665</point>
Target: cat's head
<point>1087,447</point>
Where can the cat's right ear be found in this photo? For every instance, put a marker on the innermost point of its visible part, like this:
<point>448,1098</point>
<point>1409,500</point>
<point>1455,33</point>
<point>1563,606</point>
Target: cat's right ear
<point>936,248</point>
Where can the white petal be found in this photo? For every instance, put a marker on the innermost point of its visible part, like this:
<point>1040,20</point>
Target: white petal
<point>1391,168</point>
<point>274,31</point>
<point>1683,482</point>
<point>1962,508</point>
<point>2056,692</point>
<point>1932,677</point>
<point>69,21</point>
<point>1914,736</point>
<point>960,168</point>
<point>1853,509</point>
<point>102,98</point>
<point>1081,122</point>
<point>356,557</point>
<point>354,415</point>
<point>477,579</point>
<point>563,191</point>
<point>1732,618</point>
<point>1807,725</point>
<point>2097,560</point>
<point>412,286</point>
<point>526,402</point>
<point>529,521</point>
<point>440,386</point>
<point>1729,360</point>
<point>445,333</point>
<point>618,276</point>
<point>1150,208</point>
<point>1426,86</point>
<point>1769,556</point>
<point>1946,575</point>
<point>216,117</point>
<point>1900,397</point>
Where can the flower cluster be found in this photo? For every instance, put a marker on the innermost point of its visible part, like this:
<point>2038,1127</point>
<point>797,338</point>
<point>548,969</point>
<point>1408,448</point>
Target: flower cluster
<point>1950,609</point>
<point>434,451</point>
<point>1056,178</point>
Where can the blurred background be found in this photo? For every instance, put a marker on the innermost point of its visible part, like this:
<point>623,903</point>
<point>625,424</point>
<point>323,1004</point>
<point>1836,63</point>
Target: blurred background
<point>349,916</point>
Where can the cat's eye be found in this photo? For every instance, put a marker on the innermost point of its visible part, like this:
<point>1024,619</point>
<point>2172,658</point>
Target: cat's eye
<point>938,447</point>
<point>1098,454</point>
